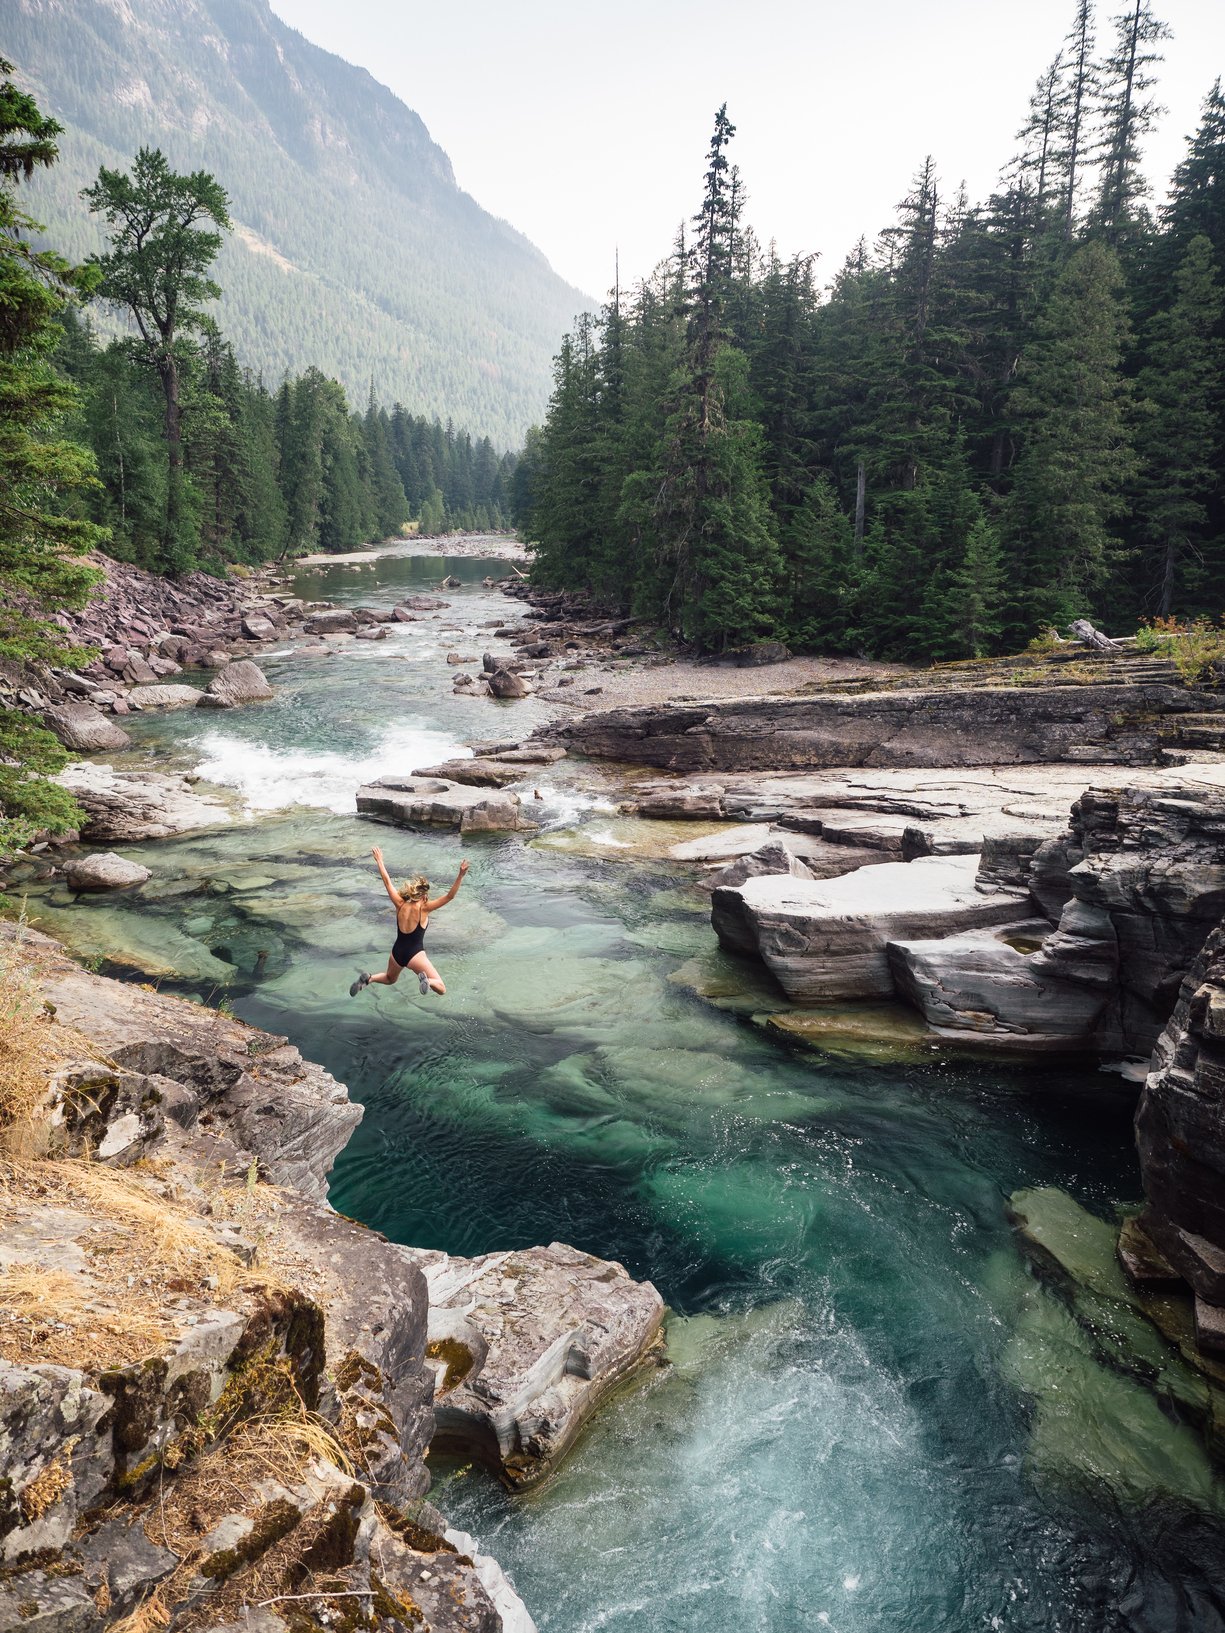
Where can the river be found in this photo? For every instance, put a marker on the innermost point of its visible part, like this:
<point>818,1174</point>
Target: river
<point>875,1417</point>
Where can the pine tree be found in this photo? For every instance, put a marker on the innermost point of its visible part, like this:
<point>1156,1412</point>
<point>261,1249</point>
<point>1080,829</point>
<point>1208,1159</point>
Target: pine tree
<point>157,270</point>
<point>42,474</point>
<point>1182,396</point>
<point>1072,409</point>
<point>1129,113</point>
<point>973,611</point>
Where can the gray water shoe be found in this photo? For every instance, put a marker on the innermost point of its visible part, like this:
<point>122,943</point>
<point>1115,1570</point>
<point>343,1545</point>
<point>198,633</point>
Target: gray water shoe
<point>363,980</point>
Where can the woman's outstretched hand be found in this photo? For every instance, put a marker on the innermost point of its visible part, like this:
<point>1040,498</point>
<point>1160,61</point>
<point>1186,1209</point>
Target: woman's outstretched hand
<point>463,868</point>
<point>377,854</point>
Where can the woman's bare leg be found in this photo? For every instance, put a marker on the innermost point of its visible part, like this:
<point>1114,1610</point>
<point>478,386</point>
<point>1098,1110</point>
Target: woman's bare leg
<point>389,977</point>
<point>420,965</point>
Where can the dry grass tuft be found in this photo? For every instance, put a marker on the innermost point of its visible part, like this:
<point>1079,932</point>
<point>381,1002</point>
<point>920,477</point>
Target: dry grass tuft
<point>32,1045</point>
<point>146,1260</point>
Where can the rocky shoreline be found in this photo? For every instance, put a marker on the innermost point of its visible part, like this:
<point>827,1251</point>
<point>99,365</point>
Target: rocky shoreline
<point>366,1351</point>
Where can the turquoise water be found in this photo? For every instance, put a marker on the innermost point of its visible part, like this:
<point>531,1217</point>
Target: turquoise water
<point>875,1417</point>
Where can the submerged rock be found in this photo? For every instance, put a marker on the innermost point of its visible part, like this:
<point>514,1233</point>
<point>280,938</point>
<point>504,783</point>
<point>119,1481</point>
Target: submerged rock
<point>104,871</point>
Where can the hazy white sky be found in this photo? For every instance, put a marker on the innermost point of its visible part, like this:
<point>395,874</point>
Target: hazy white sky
<point>586,126</point>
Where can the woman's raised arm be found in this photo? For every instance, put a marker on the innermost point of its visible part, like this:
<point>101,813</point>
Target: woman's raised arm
<point>386,877</point>
<point>432,907</point>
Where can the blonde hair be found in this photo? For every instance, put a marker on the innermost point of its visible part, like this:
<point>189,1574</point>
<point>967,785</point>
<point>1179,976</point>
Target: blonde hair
<point>415,887</point>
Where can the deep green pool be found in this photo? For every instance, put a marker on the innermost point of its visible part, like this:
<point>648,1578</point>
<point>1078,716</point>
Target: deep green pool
<point>875,1418</point>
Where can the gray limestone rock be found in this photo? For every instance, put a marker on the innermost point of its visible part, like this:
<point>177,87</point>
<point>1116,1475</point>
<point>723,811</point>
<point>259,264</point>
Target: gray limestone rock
<point>438,802</point>
<point>828,939</point>
<point>241,682</point>
<point>330,621</point>
<point>1008,725</point>
<point>505,684</point>
<point>477,772</point>
<point>771,858</point>
<point>291,1114</point>
<point>104,871</point>
<point>525,1345</point>
<point>125,806</point>
<point>1180,1129</point>
<point>986,983</point>
<point>54,1430</point>
<point>81,728</point>
<point>164,697</point>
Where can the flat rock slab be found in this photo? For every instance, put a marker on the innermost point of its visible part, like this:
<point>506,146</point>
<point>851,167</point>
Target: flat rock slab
<point>526,1345</point>
<point>477,772</point>
<point>828,939</point>
<point>131,805</point>
<point>164,697</point>
<point>985,726</point>
<point>436,802</point>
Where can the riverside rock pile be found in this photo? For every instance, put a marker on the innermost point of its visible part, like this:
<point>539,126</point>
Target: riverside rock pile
<point>147,630</point>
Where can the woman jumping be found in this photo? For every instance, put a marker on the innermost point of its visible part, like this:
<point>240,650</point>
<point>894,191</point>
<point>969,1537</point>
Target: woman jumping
<point>413,908</point>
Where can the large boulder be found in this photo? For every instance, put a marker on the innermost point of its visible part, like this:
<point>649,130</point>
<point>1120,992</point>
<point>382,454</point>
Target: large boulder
<point>828,939</point>
<point>103,871</point>
<point>85,731</point>
<point>440,803</point>
<point>241,682</point>
<point>505,684</point>
<point>257,627</point>
<point>526,1345</point>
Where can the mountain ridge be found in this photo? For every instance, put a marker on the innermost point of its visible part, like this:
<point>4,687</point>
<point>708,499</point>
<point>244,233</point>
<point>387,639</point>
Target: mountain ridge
<point>406,280</point>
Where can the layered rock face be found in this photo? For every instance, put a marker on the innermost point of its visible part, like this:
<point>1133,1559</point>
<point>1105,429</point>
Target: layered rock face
<point>1180,1134</point>
<point>1077,942</point>
<point>1014,725</point>
<point>1143,876</point>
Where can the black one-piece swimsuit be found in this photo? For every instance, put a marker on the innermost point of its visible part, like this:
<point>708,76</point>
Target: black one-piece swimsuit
<point>407,945</point>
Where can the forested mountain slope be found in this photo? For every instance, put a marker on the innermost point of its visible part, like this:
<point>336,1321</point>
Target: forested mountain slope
<point>355,250</point>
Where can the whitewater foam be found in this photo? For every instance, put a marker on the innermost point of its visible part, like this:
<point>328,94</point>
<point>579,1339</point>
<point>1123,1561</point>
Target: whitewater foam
<point>272,779</point>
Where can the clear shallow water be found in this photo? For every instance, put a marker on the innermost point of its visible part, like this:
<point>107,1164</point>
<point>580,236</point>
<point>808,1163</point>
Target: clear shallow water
<point>875,1417</point>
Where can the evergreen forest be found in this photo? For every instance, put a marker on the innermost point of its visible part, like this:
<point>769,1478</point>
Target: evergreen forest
<point>998,417</point>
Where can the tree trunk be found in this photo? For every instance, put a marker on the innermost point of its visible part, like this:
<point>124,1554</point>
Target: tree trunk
<point>861,493</point>
<point>168,374</point>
